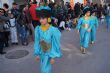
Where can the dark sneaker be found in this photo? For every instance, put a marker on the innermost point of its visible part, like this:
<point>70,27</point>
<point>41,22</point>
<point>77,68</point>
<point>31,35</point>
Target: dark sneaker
<point>2,53</point>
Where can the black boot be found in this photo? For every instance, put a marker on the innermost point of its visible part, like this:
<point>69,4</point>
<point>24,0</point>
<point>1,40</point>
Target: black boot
<point>1,51</point>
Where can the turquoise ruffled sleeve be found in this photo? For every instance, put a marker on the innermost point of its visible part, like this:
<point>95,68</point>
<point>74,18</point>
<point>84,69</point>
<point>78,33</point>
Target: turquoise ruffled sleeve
<point>97,23</point>
<point>36,43</point>
<point>56,49</point>
<point>79,24</point>
<point>91,23</point>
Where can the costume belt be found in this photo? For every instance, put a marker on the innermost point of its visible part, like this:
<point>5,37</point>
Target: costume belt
<point>85,26</point>
<point>45,46</point>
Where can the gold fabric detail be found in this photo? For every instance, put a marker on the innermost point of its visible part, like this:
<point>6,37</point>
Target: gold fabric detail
<point>85,26</point>
<point>45,46</point>
<point>45,28</point>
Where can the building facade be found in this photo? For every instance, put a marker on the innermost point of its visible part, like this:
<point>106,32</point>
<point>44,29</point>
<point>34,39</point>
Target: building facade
<point>20,2</point>
<point>107,1</point>
<point>9,2</point>
<point>75,1</point>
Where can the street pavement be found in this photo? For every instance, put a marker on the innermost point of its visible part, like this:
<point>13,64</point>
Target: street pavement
<point>97,59</point>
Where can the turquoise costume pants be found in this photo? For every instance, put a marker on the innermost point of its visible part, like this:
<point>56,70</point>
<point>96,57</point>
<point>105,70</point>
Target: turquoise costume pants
<point>93,34</point>
<point>45,63</point>
<point>84,38</point>
<point>108,21</point>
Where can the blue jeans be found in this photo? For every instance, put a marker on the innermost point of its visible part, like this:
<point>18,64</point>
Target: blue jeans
<point>23,34</point>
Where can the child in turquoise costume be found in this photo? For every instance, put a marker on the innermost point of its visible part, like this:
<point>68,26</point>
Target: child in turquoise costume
<point>84,27</point>
<point>47,41</point>
<point>108,16</point>
<point>94,27</point>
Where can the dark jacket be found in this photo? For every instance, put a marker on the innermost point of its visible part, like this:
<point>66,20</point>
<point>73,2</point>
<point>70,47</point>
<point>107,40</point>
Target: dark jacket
<point>15,12</point>
<point>3,19</point>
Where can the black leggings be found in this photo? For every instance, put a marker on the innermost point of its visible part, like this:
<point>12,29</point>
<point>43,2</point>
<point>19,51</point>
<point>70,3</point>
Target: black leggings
<point>2,38</point>
<point>6,33</point>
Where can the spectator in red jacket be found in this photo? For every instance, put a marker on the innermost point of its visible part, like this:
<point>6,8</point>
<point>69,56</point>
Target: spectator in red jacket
<point>32,9</point>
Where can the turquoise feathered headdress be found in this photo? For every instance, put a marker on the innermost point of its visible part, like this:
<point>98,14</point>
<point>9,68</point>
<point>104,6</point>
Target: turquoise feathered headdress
<point>86,9</point>
<point>43,12</point>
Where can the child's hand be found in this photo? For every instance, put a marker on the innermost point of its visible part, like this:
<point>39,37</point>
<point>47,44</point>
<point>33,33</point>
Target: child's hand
<point>78,32</point>
<point>37,58</point>
<point>88,30</point>
<point>52,61</point>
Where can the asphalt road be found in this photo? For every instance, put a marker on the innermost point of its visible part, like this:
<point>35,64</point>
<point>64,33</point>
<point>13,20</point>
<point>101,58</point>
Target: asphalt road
<point>97,59</point>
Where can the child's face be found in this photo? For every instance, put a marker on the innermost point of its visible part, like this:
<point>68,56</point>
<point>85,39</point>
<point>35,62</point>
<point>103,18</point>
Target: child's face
<point>26,7</point>
<point>1,12</point>
<point>14,6</point>
<point>93,14</point>
<point>12,16</point>
<point>43,21</point>
<point>88,13</point>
